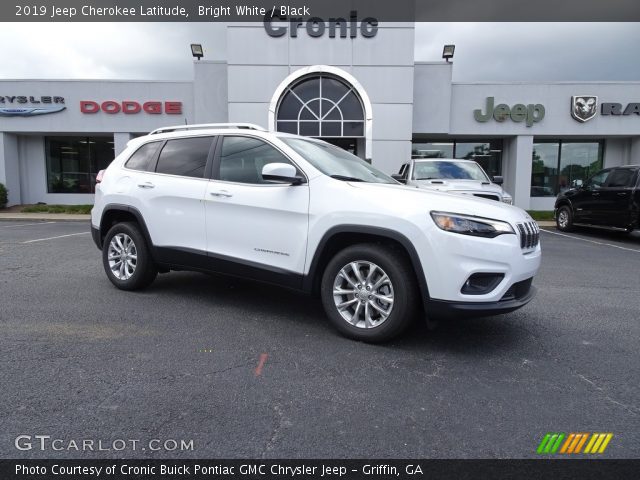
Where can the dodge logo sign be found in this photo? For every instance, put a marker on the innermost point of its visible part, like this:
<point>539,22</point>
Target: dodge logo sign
<point>584,107</point>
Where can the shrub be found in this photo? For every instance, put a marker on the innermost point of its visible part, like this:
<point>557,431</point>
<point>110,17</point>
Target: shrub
<point>73,209</point>
<point>3,196</point>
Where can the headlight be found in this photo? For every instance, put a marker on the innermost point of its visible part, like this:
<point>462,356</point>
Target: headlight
<point>469,225</point>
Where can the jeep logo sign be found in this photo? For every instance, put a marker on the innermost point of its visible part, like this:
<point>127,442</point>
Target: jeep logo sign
<point>316,27</point>
<point>530,114</point>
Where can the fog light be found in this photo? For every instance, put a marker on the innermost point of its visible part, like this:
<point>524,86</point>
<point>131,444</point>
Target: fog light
<point>481,283</point>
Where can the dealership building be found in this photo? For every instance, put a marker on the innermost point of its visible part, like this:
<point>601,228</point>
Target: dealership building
<point>355,84</point>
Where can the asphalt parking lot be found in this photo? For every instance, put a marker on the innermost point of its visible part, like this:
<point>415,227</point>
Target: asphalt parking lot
<point>248,370</point>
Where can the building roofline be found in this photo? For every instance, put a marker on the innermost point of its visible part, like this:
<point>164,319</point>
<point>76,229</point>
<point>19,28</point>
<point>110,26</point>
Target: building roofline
<point>549,82</point>
<point>92,80</point>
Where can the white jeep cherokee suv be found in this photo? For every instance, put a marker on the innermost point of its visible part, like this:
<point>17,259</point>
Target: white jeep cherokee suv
<point>304,214</point>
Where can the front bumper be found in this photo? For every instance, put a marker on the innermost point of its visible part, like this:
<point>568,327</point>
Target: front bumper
<point>516,297</point>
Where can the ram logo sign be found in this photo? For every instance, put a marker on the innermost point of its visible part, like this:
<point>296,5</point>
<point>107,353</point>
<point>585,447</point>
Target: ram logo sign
<point>584,107</point>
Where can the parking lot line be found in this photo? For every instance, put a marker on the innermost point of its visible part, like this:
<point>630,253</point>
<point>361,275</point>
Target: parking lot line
<point>25,224</point>
<point>592,241</point>
<point>53,238</point>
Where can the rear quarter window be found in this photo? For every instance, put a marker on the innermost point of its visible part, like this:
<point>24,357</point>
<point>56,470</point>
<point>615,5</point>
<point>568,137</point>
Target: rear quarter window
<point>142,157</point>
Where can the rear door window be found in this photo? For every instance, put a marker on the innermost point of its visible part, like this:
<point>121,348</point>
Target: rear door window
<point>186,157</point>
<point>623,177</point>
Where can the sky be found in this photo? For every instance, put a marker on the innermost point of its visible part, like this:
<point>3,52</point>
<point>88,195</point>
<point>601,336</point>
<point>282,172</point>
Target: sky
<point>484,51</point>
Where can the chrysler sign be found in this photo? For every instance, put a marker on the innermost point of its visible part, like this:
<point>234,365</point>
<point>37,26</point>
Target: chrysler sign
<point>30,105</point>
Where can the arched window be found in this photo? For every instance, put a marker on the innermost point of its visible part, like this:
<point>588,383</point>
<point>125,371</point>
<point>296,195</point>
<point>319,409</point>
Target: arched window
<point>321,106</point>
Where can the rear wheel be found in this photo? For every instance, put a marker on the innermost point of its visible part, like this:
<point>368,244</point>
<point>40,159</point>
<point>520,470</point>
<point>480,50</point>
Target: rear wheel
<point>564,219</point>
<point>369,293</point>
<point>126,257</point>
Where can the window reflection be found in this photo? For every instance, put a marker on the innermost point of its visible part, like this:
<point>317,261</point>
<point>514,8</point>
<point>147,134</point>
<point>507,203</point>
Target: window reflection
<point>487,153</point>
<point>557,165</point>
<point>74,162</point>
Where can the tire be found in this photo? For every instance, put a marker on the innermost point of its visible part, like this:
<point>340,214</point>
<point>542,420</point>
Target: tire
<point>564,219</point>
<point>138,271</point>
<point>368,323</point>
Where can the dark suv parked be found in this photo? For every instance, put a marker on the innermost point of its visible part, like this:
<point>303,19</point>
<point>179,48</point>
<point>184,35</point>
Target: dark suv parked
<point>609,199</point>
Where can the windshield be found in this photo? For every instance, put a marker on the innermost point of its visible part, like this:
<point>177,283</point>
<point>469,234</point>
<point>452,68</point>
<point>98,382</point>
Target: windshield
<point>449,169</point>
<point>336,162</point>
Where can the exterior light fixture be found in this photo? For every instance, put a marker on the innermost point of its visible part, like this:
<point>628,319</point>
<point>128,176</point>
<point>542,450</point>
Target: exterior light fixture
<point>447,52</point>
<point>196,50</point>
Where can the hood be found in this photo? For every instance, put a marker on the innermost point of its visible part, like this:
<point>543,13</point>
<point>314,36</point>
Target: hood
<point>400,200</point>
<point>446,185</point>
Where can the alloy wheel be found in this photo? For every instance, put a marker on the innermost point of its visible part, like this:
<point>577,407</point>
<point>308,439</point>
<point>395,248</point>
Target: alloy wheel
<point>363,294</point>
<point>563,218</point>
<point>122,256</point>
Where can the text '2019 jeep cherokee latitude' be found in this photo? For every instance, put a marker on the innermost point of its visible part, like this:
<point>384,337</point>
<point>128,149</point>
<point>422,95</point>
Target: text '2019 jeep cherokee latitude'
<point>301,213</point>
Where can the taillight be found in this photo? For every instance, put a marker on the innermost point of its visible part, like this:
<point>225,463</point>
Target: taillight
<point>99,176</point>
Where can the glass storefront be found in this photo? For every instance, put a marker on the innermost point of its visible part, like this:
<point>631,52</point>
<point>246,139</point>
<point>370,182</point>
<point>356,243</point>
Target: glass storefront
<point>432,149</point>
<point>557,164</point>
<point>488,153</point>
<point>74,162</point>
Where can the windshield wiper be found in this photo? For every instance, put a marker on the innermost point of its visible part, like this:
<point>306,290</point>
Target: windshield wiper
<point>347,179</point>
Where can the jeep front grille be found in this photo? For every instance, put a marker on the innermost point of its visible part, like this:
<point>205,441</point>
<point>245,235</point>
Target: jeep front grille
<point>529,235</point>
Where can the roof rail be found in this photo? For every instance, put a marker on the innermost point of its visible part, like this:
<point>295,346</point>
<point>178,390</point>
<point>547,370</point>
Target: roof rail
<point>177,128</point>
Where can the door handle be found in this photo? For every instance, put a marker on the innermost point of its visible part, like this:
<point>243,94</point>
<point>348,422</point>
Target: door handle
<point>221,193</point>
<point>596,194</point>
<point>622,194</point>
<point>146,185</point>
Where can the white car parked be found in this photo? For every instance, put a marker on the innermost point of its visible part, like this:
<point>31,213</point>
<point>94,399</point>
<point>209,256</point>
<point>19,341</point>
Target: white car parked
<point>305,214</point>
<point>452,176</point>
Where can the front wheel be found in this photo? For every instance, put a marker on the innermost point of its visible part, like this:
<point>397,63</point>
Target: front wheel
<point>369,292</point>
<point>126,257</point>
<point>564,219</point>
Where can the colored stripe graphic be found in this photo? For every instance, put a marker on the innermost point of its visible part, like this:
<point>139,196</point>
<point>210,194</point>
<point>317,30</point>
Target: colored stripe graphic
<point>550,443</point>
<point>581,442</point>
<point>598,443</point>
<point>573,442</point>
<point>543,443</point>
<point>565,447</point>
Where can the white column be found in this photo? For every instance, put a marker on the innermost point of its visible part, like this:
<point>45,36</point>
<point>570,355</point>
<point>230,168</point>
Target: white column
<point>10,167</point>
<point>634,153</point>
<point>210,92</point>
<point>120,140</point>
<point>518,170</point>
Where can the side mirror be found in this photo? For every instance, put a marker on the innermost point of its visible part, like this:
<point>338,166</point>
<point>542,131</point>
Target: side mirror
<point>577,183</point>
<point>281,173</point>
<point>498,180</point>
<point>398,177</point>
